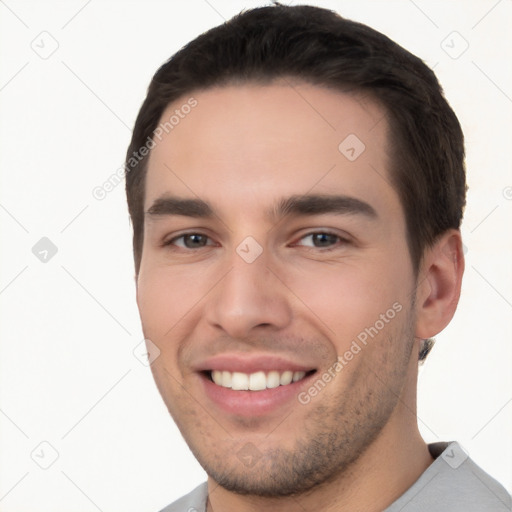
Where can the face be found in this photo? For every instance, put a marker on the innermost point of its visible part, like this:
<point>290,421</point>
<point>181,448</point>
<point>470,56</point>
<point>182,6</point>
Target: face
<point>276,282</point>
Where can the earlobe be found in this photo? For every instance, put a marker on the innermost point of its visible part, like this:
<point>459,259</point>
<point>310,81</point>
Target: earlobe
<point>439,284</point>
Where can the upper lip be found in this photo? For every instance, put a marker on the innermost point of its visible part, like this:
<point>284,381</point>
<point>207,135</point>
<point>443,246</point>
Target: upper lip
<point>251,364</point>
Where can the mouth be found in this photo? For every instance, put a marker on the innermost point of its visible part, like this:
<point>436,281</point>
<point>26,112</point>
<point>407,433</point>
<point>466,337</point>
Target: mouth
<point>252,387</point>
<point>255,381</point>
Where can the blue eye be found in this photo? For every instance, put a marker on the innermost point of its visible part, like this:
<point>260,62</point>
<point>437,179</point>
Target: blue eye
<point>321,239</point>
<point>190,241</point>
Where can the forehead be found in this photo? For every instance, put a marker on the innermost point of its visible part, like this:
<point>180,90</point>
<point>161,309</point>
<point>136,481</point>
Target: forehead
<point>254,141</point>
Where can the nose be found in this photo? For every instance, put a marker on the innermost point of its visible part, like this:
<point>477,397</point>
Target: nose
<point>248,297</point>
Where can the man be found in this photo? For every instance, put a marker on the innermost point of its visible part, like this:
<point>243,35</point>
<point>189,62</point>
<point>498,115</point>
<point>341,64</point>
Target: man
<point>296,185</point>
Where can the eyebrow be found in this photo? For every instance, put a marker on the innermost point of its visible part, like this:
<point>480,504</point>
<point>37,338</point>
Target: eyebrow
<point>295,205</point>
<point>323,204</point>
<point>169,205</point>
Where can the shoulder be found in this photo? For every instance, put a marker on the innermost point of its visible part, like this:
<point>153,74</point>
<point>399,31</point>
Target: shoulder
<point>194,501</point>
<point>453,483</point>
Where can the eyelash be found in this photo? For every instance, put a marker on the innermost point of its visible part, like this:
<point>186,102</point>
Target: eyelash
<point>340,240</point>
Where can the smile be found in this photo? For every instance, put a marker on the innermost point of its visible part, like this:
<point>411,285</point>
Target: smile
<point>257,381</point>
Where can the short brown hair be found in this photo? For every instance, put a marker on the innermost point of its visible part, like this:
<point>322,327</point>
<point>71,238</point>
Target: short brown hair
<point>320,47</point>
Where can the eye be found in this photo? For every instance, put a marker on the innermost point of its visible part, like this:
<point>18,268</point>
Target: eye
<point>321,239</point>
<point>190,241</point>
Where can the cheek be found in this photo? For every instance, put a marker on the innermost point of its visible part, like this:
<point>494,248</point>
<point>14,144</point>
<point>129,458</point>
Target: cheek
<point>154,302</point>
<point>165,297</point>
<point>348,300</point>
<point>162,307</point>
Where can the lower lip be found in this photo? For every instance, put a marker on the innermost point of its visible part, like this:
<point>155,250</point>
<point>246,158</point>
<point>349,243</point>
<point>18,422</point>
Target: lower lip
<point>252,403</point>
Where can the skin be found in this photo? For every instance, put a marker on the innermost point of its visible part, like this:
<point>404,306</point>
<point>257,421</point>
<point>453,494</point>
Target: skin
<point>355,446</point>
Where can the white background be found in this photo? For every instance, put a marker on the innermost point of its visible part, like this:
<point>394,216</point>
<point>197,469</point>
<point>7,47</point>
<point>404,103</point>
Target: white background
<point>69,326</point>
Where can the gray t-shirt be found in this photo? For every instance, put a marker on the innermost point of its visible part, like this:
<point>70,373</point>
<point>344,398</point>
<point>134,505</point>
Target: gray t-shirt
<point>452,483</point>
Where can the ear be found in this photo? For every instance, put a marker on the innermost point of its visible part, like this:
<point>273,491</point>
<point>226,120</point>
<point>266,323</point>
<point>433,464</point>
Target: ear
<point>439,283</point>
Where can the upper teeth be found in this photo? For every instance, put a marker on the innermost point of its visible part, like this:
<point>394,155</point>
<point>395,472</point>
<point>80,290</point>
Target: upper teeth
<point>255,381</point>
